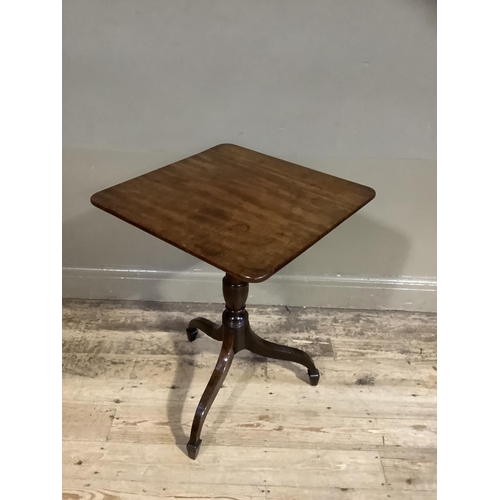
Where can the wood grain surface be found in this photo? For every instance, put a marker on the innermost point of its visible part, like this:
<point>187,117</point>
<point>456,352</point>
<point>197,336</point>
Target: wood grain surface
<point>241,211</point>
<point>131,383</point>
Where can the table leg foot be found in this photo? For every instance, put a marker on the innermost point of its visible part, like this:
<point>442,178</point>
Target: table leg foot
<point>191,333</point>
<point>313,376</point>
<point>193,449</point>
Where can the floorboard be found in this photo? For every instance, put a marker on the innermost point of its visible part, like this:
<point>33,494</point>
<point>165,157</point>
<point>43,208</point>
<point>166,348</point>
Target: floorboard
<point>131,383</point>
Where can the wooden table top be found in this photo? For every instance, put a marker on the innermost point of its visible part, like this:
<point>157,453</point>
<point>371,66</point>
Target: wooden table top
<point>243,212</point>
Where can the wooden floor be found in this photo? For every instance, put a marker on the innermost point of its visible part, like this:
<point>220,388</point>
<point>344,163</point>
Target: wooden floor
<point>131,383</point>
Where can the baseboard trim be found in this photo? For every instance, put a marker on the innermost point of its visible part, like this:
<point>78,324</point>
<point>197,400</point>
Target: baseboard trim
<point>351,292</point>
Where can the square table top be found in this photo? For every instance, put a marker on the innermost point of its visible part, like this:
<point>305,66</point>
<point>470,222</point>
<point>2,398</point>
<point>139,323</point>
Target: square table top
<point>241,211</point>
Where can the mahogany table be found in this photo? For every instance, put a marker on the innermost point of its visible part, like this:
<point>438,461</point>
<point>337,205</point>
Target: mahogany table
<point>247,214</point>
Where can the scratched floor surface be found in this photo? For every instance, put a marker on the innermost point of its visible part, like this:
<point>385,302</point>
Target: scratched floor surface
<point>131,383</point>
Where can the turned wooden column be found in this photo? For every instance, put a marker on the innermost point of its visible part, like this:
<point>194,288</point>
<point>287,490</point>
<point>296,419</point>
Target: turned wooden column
<point>235,316</point>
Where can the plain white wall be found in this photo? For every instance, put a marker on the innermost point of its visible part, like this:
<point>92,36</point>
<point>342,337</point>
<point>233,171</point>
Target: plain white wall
<point>346,87</point>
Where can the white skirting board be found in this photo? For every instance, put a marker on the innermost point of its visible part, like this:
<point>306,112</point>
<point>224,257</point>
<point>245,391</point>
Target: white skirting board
<point>351,292</point>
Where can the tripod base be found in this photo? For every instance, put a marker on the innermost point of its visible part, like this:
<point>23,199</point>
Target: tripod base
<point>235,334</point>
